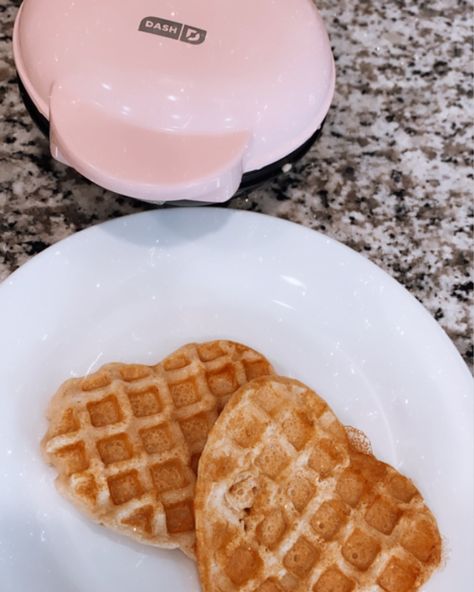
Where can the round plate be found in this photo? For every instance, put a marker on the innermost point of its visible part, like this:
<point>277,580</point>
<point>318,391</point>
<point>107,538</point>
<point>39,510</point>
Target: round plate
<point>136,288</point>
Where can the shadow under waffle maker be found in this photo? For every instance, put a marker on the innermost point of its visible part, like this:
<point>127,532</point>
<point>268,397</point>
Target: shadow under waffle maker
<point>183,102</point>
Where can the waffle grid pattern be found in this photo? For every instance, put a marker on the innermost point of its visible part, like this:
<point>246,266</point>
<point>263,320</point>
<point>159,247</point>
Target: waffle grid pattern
<point>330,519</point>
<point>126,440</point>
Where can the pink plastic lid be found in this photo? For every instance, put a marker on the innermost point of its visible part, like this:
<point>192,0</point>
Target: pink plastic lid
<point>175,100</point>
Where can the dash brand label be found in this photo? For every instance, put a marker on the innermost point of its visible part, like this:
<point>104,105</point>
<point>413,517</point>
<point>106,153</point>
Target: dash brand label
<point>173,30</point>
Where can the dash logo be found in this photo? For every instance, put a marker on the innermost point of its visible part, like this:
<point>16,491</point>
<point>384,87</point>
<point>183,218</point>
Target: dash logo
<point>173,30</point>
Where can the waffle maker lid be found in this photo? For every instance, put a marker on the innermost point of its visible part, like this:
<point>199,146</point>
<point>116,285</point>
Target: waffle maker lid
<point>174,99</point>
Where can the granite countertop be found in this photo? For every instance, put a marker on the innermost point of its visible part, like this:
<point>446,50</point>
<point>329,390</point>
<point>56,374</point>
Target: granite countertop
<point>391,175</point>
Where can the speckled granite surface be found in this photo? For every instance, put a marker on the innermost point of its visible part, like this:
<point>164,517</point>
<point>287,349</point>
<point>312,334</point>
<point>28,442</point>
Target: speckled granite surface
<point>390,177</point>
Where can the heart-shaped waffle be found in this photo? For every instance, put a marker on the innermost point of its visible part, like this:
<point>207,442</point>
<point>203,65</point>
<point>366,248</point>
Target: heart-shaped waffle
<point>126,440</point>
<point>284,503</point>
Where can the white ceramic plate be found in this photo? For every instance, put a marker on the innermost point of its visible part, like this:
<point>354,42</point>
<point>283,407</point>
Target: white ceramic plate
<point>138,287</point>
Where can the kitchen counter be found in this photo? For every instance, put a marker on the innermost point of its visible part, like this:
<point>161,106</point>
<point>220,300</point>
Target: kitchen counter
<point>391,175</point>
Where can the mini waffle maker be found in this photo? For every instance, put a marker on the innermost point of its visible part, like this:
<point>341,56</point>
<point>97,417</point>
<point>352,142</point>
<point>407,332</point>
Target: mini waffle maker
<point>176,99</point>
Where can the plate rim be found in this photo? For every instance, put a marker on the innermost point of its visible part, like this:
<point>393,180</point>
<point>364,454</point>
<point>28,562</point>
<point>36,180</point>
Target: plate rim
<point>18,274</point>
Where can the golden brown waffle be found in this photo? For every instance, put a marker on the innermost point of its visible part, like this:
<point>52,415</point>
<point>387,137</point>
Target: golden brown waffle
<point>126,440</point>
<point>285,504</point>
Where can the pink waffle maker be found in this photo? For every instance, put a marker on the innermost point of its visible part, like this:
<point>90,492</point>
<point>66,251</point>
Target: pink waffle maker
<point>177,99</point>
